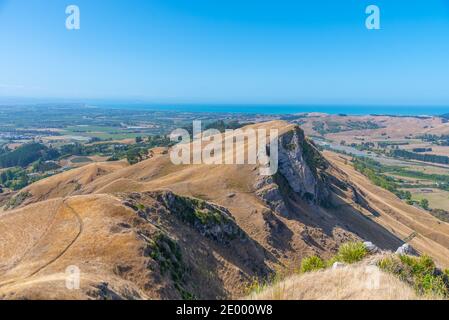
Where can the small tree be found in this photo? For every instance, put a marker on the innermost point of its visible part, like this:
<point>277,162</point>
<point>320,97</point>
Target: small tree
<point>424,204</point>
<point>133,156</point>
<point>408,195</point>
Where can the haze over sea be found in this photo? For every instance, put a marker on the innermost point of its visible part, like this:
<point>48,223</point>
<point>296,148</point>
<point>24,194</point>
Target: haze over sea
<point>284,109</point>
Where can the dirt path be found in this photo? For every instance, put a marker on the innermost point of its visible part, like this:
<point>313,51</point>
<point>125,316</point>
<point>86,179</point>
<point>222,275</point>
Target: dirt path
<point>46,232</point>
<point>80,231</point>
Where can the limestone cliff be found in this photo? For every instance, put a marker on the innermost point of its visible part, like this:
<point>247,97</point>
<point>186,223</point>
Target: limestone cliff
<point>302,170</point>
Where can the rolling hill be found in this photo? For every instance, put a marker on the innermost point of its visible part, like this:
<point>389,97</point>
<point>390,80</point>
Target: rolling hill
<point>155,230</point>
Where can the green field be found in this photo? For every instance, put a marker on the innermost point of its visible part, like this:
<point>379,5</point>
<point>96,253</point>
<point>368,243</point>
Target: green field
<point>405,182</point>
<point>81,160</point>
<point>105,132</point>
<point>438,199</point>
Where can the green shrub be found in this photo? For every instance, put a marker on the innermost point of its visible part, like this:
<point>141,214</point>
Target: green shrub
<point>429,284</point>
<point>446,272</point>
<point>389,264</point>
<point>420,273</point>
<point>352,252</point>
<point>419,266</point>
<point>312,263</point>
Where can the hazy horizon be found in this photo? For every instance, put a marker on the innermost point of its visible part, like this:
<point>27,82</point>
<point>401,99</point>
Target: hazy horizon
<point>244,108</point>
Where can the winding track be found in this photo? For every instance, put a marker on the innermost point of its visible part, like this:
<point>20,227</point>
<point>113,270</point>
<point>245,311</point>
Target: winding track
<point>44,234</point>
<point>81,228</point>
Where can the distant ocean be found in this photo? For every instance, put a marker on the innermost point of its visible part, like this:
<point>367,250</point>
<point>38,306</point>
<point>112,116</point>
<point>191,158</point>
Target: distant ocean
<point>285,109</point>
<point>241,108</point>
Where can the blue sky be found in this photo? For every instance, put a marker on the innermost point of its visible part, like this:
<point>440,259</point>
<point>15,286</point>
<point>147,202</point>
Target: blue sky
<point>227,51</point>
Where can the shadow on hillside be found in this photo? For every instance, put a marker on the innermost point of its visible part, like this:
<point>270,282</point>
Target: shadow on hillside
<point>339,215</point>
<point>209,271</point>
<point>212,265</point>
<point>279,235</point>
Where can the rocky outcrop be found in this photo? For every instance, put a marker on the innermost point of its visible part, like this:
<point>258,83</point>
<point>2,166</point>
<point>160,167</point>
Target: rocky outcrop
<point>370,247</point>
<point>269,192</point>
<point>338,265</point>
<point>299,164</point>
<point>302,167</point>
<point>178,234</point>
<point>210,220</point>
<point>406,249</point>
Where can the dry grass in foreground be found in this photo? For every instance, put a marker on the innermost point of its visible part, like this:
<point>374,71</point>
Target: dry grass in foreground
<point>362,281</point>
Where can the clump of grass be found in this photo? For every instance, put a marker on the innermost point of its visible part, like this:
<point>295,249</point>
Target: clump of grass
<point>352,252</point>
<point>433,285</point>
<point>331,261</point>
<point>419,266</point>
<point>256,286</point>
<point>419,272</point>
<point>312,263</point>
<point>390,264</point>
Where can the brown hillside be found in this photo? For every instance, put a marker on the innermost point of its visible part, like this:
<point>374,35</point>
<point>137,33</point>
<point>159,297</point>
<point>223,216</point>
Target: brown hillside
<point>398,217</point>
<point>69,182</point>
<point>160,251</point>
<point>156,230</point>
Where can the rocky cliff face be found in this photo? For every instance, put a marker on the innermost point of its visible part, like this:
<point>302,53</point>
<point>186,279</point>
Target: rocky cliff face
<point>301,171</point>
<point>187,238</point>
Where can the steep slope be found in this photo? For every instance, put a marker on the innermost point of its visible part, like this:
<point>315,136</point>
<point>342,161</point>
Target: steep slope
<point>432,235</point>
<point>158,230</point>
<point>126,246</point>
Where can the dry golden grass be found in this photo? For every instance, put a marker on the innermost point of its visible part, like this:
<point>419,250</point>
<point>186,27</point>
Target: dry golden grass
<point>40,241</point>
<point>357,282</point>
<point>36,234</point>
<point>70,182</point>
<point>391,128</point>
